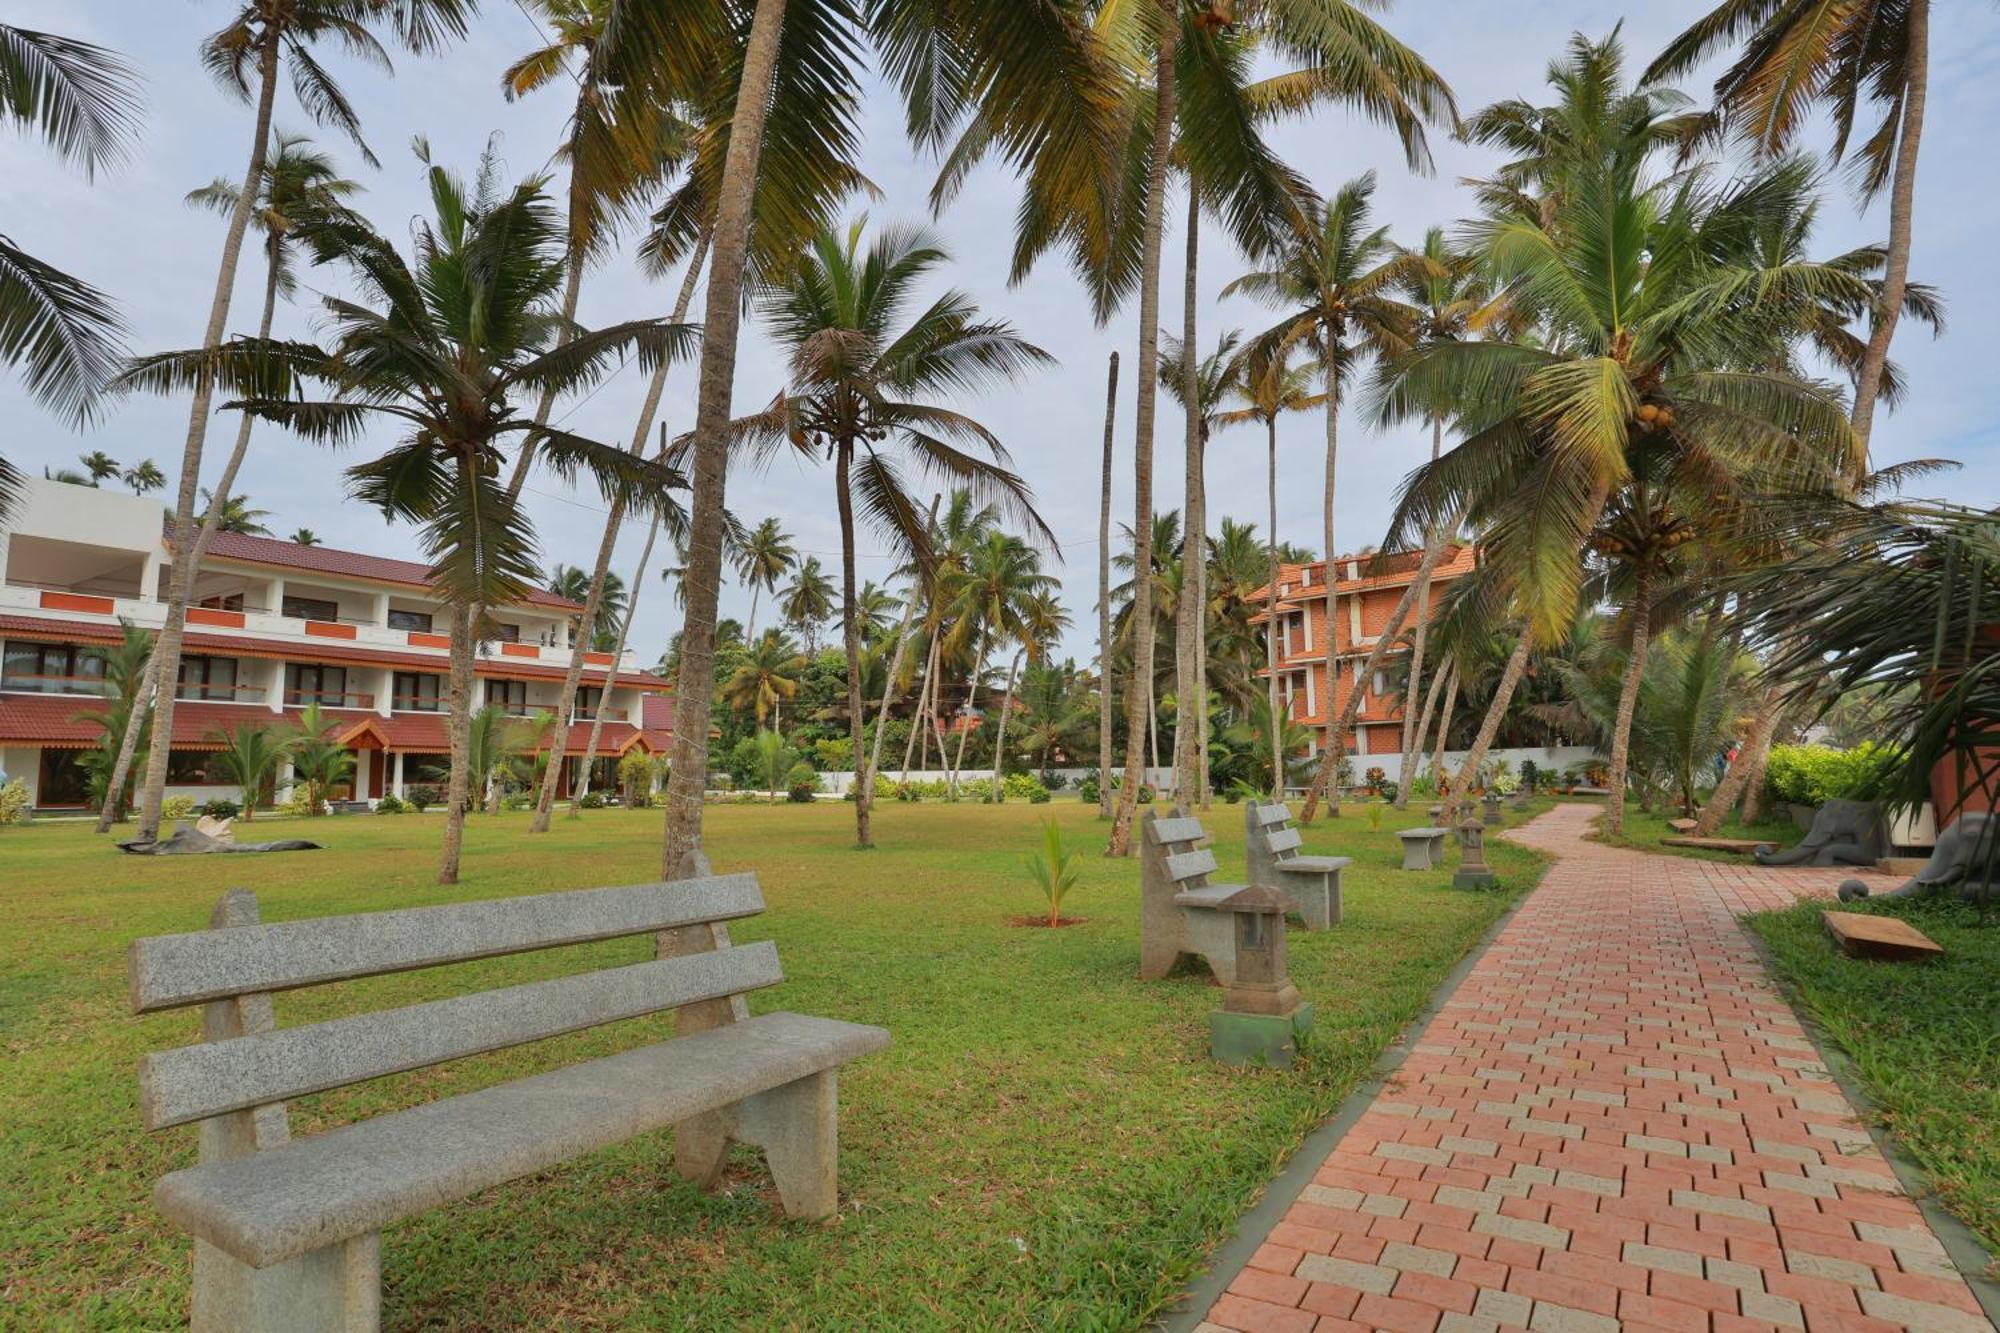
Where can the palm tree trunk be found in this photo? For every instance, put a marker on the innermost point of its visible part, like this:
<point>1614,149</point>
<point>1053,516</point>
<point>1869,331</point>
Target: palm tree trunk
<point>458,789</point>
<point>1329,774</point>
<point>1496,709</point>
<point>1000,738</point>
<point>1628,702</point>
<point>1416,749</point>
<point>593,601</point>
<point>1753,782</point>
<point>865,778</point>
<point>1187,611</point>
<point>1902,199</point>
<point>617,655</point>
<point>180,587</point>
<point>1271,606</point>
<point>1104,736</point>
<point>1142,448</point>
<point>971,697</point>
<point>850,631</point>
<point>695,690</point>
<point>1735,784</point>
<point>1412,739</point>
<point>750,632</point>
<point>1444,728</point>
<point>923,698</point>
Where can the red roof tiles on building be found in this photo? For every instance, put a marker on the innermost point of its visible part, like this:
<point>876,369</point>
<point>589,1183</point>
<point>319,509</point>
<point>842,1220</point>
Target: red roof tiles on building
<point>346,564</point>
<point>65,720</point>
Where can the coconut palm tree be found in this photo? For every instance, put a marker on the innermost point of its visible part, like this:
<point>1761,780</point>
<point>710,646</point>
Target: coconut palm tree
<point>1799,58</point>
<point>572,582</point>
<point>808,601</point>
<point>234,514</point>
<point>304,537</point>
<point>100,466</point>
<point>768,555</point>
<point>1335,278</point>
<point>144,476</point>
<point>83,101</point>
<point>245,57</point>
<point>476,306</point>
<point>1042,622</point>
<point>769,676</point>
<point>249,755</point>
<point>318,762</point>
<point>866,374</point>
<point>122,669</point>
<point>992,603</point>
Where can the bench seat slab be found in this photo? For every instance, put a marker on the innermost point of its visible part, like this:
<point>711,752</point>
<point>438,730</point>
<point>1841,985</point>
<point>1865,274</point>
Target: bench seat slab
<point>316,1192</point>
<point>1313,865</point>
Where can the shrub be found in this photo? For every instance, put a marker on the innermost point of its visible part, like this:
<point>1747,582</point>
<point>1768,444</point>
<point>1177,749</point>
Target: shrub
<point>1052,868</point>
<point>389,805</point>
<point>1424,785</point>
<point>1024,787</point>
<point>1375,816</point>
<point>1087,789</point>
<point>1816,774</point>
<point>1531,773</point>
<point>222,808</point>
<point>1054,781</point>
<point>299,801</point>
<point>801,784</point>
<point>978,789</point>
<point>421,796</point>
<point>1147,794</point>
<point>639,800</point>
<point>1373,780</point>
<point>635,775</point>
<point>14,802</point>
<point>1389,791</point>
<point>592,800</point>
<point>176,808</point>
<point>520,800</point>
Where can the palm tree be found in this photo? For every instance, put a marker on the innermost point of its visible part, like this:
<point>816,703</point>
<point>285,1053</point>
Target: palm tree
<point>1800,57</point>
<point>573,583</point>
<point>807,602</point>
<point>234,514</point>
<point>144,476</point>
<point>84,103</point>
<point>992,603</point>
<point>318,762</point>
<point>123,670</point>
<point>768,555</point>
<point>249,754</point>
<point>476,307</point>
<point>304,537</point>
<point>1648,376</point>
<point>101,466</point>
<point>1269,385</point>
<point>862,379</point>
<point>1042,622</point>
<point>769,676</point>
<point>1104,701</point>
<point>1335,278</point>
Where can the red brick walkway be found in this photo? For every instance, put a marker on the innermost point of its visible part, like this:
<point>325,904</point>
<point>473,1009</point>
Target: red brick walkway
<point>1613,1122</point>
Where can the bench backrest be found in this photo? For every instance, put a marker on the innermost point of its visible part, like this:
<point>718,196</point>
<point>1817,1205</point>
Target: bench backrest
<point>232,969</point>
<point>1272,826</point>
<point>1170,843</point>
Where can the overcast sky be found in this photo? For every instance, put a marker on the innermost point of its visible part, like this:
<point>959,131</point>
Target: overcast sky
<point>130,234</point>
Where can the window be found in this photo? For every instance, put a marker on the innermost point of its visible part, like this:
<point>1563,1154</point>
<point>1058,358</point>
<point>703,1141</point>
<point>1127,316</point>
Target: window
<point>588,697</point>
<point>418,692</point>
<point>51,668</point>
<point>194,768</point>
<point>416,620</point>
<point>311,608</point>
<point>510,696</point>
<point>233,602</point>
<point>309,683</point>
<point>207,678</point>
<point>503,633</point>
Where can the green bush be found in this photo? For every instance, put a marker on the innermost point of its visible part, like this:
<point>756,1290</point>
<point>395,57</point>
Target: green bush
<point>14,802</point>
<point>1816,774</point>
<point>298,801</point>
<point>389,805</point>
<point>802,784</point>
<point>177,808</point>
<point>520,800</point>
<point>420,796</point>
<point>592,800</point>
<point>222,808</point>
<point>1087,790</point>
<point>1146,793</point>
<point>1024,787</point>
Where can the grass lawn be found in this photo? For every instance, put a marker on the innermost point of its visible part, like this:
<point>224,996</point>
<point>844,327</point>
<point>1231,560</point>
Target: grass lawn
<point>1643,832</point>
<point>1925,1039</point>
<point>1046,1145</point>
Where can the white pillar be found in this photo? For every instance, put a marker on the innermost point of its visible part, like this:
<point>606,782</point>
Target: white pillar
<point>277,606</point>
<point>361,792</point>
<point>382,609</point>
<point>396,781</point>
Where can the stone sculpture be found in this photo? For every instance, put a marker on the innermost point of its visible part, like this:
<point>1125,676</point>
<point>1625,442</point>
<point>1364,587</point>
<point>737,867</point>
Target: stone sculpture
<point>192,842</point>
<point>1958,862</point>
<point>1844,833</point>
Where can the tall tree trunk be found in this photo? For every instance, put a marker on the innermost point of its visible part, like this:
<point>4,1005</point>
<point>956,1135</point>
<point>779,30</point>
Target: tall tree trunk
<point>1329,775</point>
<point>1489,726</point>
<point>617,655</point>
<point>1188,609</point>
<point>142,703</point>
<point>750,633</point>
<point>864,778</point>
<point>1325,779</point>
<point>1412,740</point>
<point>1735,784</point>
<point>1142,447</point>
<point>923,700</point>
<point>1902,200</point>
<point>965,729</point>
<point>1444,728</point>
<point>180,587</point>
<point>694,693</point>
<point>1271,654</point>
<point>458,791</point>
<point>593,601</point>
<point>1753,783</point>
<point>850,632</point>
<point>1409,774</point>
<point>1000,738</point>
<point>1104,601</point>
<point>1628,702</point>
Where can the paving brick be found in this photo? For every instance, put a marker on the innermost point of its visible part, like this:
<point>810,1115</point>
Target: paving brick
<point>1655,1256</point>
<point>1417,1259</point>
<point>1925,1315</point>
<point>1278,1289</point>
<point>1523,1230</point>
<point>1239,1312</point>
<point>1401,1316</point>
<point>1361,1277</point>
<point>1549,1318</point>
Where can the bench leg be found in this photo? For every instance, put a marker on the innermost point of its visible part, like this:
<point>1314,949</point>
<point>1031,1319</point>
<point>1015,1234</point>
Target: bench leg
<point>333,1290</point>
<point>701,1146</point>
<point>798,1126</point>
<point>1315,899</point>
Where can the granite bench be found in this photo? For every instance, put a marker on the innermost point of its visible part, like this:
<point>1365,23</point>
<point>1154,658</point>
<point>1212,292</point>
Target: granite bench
<point>287,1232</point>
<point>1271,852</point>
<point>1177,904</point>
<point>1423,848</point>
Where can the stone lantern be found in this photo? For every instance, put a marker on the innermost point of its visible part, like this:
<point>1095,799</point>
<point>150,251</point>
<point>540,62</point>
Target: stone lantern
<point>1262,1014</point>
<point>1489,814</point>
<point>1473,872</point>
<point>1436,813</point>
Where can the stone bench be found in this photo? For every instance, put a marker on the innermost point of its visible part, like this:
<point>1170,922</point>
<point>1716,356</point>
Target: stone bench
<point>1423,848</point>
<point>1177,903</point>
<point>287,1231</point>
<point>1271,852</point>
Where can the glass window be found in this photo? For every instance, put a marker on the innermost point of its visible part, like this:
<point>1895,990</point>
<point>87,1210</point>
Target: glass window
<point>588,697</point>
<point>504,633</point>
<point>508,695</point>
<point>418,692</point>
<point>309,683</point>
<point>311,608</point>
<point>416,620</point>
<point>207,678</point>
<point>51,668</point>
<point>194,768</point>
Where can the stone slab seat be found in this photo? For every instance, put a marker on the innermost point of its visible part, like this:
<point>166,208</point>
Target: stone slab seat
<point>1423,848</point>
<point>1271,845</point>
<point>1177,900</point>
<point>287,1232</point>
<point>272,1206</point>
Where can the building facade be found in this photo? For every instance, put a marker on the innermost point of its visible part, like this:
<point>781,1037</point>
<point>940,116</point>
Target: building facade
<point>1319,666</point>
<point>273,628</point>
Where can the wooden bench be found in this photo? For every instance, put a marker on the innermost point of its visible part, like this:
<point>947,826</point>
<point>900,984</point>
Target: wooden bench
<point>287,1231</point>
<point>1177,903</point>
<point>1423,848</point>
<point>1271,852</point>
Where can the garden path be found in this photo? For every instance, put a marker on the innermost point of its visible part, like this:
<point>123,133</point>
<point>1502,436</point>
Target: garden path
<point>1614,1121</point>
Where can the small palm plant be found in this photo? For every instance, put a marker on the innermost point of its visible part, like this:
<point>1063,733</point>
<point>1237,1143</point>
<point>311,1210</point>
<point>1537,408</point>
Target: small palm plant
<point>319,763</point>
<point>774,761</point>
<point>1052,868</point>
<point>249,756</point>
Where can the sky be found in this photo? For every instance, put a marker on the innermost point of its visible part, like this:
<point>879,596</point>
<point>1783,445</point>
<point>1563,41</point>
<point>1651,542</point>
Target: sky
<point>129,233</point>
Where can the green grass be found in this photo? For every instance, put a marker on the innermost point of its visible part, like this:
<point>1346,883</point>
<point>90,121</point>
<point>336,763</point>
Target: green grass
<point>1924,1038</point>
<point>1046,1145</point>
<point>1644,831</point>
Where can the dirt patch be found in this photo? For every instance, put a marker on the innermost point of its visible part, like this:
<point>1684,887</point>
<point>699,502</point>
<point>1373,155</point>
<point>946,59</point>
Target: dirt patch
<point>1030,922</point>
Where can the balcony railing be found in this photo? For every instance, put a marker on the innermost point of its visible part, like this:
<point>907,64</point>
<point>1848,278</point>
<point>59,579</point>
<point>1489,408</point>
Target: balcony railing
<point>417,703</point>
<point>199,692</point>
<point>589,714</point>
<point>328,699</point>
<point>37,684</point>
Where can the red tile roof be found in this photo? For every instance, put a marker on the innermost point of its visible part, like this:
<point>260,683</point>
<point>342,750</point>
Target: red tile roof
<point>64,720</point>
<point>348,564</point>
<point>329,650</point>
<point>425,733</point>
